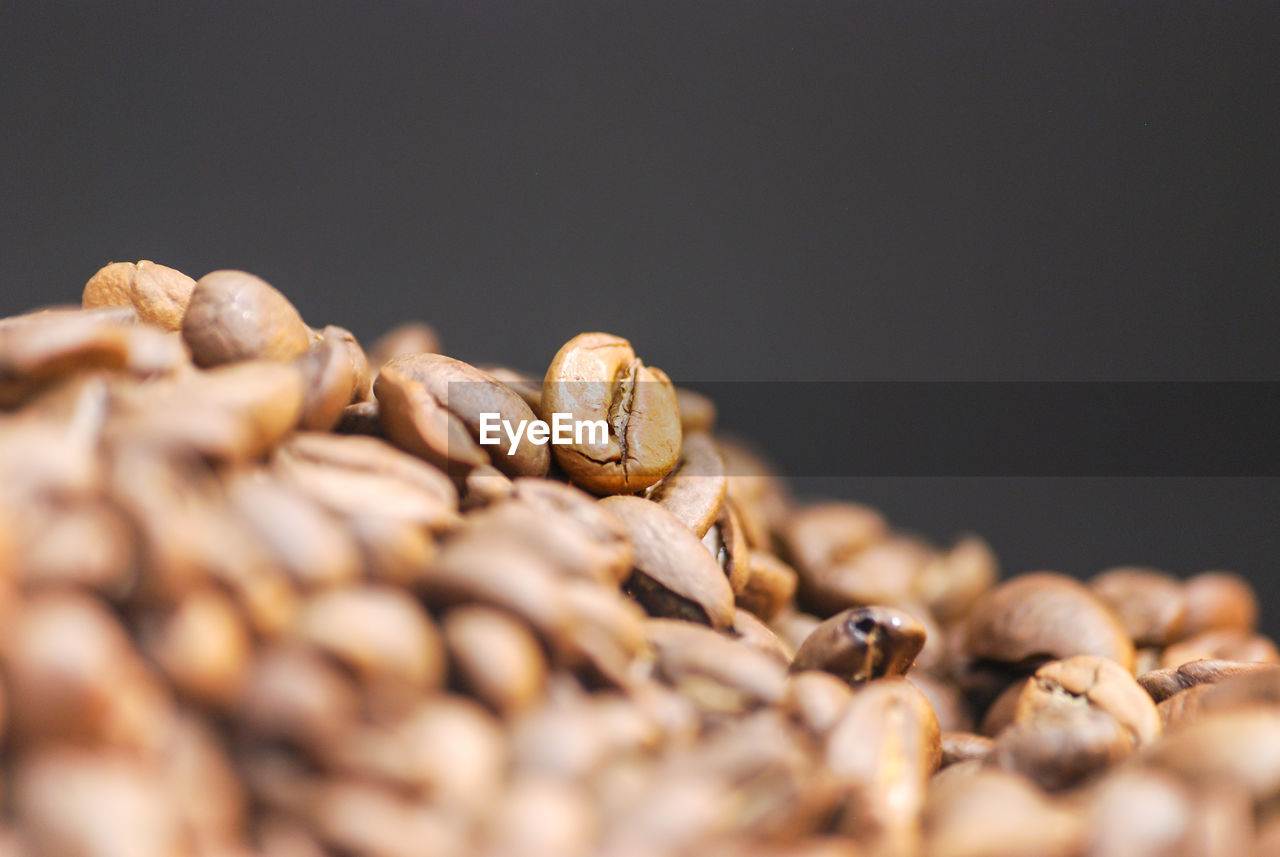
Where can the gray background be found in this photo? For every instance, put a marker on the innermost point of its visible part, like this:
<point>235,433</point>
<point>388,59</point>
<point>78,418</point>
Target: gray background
<point>886,191</point>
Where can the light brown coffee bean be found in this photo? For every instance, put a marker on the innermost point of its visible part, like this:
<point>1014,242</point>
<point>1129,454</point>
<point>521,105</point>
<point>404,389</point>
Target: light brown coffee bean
<point>727,542</point>
<point>74,676</point>
<point>697,412</point>
<point>606,530</point>
<point>883,573</point>
<point>296,696</point>
<point>542,817</point>
<point>947,701</point>
<point>1044,616</point>
<point>335,375</point>
<point>976,813</point>
<point>484,486</point>
<point>158,294</point>
<point>816,699</point>
<point>694,491</point>
<point>78,803</point>
<point>203,647</point>
<point>794,627</point>
<point>758,492</point>
<point>412,337</point>
<point>674,575</point>
<point>432,406</point>
<point>1151,605</point>
<point>862,643</point>
<point>1222,644</point>
<point>719,673</point>
<point>755,633</point>
<point>951,581</point>
<point>1241,746</point>
<point>963,747</point>
<point>1164,683</point>
<point>523,385</point>
<point>355,817</point>
<point>1219,600</point>
<point>1093,682</point>
<point>204,786</point>
<point>825,534</point>
<point>234,316</point>
<point>885,747</point>
<point>1139,813</point>
<point>86,543</point>
<point>379,633</point>
<point>770,586</point>
<point>496,658</point>
<point>597,376</point>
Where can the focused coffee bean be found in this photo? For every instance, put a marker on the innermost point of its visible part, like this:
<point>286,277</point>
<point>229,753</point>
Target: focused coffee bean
<point>1091,682</point>
<point>159,295</point>
<point>233,316</point>
<point>674,575</point>
<point>597,377</point>
<point>432,406</point>
<point>1151,605</point>
<point>694,491</point>
<point>861,644</point>
<point>1164,683</point>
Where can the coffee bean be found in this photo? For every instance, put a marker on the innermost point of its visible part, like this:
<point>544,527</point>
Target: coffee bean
<point>158,294</point>
<point>1219,600</point>
<point>1092,682</point>
<point>1223,644</point>
<point>431,405</point>
<point>413,337</point>
<point>496,658</point>
<point>770,585</point>
<point>1062,746</point>
<point>597,377</point>
<point>234,316</point>
<point>816,699</point>
<point>820,536</point>
<point>1151,605</point>
<point>950,582</point>
<point>1040,617</point>
<point>727,542</point>
<point>203,647</point>
<point>694,491</point>
<point>963,747</point>
<point>862,643</point>
<point>674,575</point>
<point>1164,683</point>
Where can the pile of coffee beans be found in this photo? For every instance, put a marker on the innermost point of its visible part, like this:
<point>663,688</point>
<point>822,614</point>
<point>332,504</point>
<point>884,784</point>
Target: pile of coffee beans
<point>266,592</point>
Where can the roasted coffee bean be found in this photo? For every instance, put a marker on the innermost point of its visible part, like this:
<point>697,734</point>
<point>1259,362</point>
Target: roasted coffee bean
<point>757,491</point>
<point>694,491</point>
<point>1041,617</point>
<point>525,386</point>
<point>1239,746</point>
<point>770,585</point>
<point>963,747</point>
<point>203,647</point>
<point>1151,605</point>
<point>950,582</point>
<point>1223,644</point>
<point>432,406</point>
<point>597,377</point>
<point>1139,813</point>
<point>1164,683</point>
<point>1219,600</point>
<point>1061,746</point>
<point>947,701</point>
<point>412,337</point>
<point>158,294</point>
<point>728,544</point>
<point>495,657</point>
<point>986,811</point>
<point>816,699</point>
<point>1092,682</point>
<point>882,573</point>
<point>794,627</point>
<point>84,543</point>
<point>674,575</point>
<point>295,696</point>
<point>1004,709</point>
<point>862,643</point>
<point>822,535</point>
<point>233,316</point>
<point>885,747</point>
<point>335,374</point>
<point>716,671</point>
<point>755,633</point>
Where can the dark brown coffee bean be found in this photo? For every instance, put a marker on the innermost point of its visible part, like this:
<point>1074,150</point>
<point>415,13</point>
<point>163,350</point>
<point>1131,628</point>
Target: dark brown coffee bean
<point>597,377</point>
<point>1093,682</point>
<point>361,418</point>
<point>694,491</point>
<point>496,658</point>
<point>674,575</point>
<point>158,294</point>
<point>1064,745</point>
<point>1044,616</point>
<point>412,337</point>
<point>432,406</point>
<point>1151,605</point>
<point>1003,709</point>
<point>862,643</point>
<point>1223,644</point>
<point>1219,600</point>
<point>235,316</point>
<point>1164,683</point>
<point>771,583</point>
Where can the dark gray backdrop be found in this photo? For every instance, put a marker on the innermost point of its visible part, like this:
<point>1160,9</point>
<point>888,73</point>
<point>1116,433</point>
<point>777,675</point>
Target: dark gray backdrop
<point>996,190</point>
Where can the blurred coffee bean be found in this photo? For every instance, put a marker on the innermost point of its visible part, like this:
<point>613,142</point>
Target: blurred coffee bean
<point>1042,617</point>
<point>697,412</point>
<point>963,747</point>
<point>1219,600</point>
<point>295,696</point>
<point>882,573</point>
<point>335,374</point>
<point>432,406</point>
<point>1164,683</point>
<point>673,574</point>
<point>951,581</point>
<point>523,385</point>
<point>1004,709</point>
<point>758,492</point>
<point>727,542</point>
<point>1222,644</point>
<point>793,627</point>
<point>862,643</point>
<point>597,377</point>
<point>757,634</point>
<point>717,672</point>
<point>496,658</point>
<point>1139,813</point>
<point>824,534</point>
<point>87,543</point>
<point>541,817</point>
<point>1151,605</point>
<point>947,701</point>
<point>990,811</point>
<point>372,820</point>
<point>233,316</point>
<point>203,647</point>
<point>159,295</point>
<point>412,337</point>
<point>1062,746</point>
<point>694,491</point>
<point>770,585</point>
<point>78,803</point>
<point>1240,746</point>
<point>483,486</point>
<point>816,699</point>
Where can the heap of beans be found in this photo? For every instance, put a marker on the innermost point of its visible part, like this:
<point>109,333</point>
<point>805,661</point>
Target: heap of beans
<point>264,592</point>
